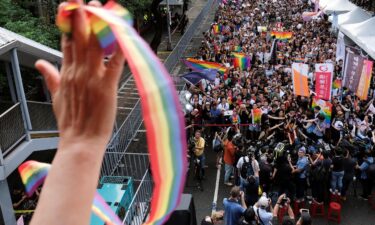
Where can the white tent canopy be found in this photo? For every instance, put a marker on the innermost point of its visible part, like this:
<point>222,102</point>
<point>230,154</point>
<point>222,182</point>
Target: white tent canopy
<point>338,6</point>
<point>363,34</point>
<point>356,16</point>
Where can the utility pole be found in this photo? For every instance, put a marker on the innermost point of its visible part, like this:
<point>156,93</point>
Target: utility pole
<point>169,44</point>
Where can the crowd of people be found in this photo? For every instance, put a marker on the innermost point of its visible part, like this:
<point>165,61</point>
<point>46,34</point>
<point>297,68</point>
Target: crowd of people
<point>292,151</point>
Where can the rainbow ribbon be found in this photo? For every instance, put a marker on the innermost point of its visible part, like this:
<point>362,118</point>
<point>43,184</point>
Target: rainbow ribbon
<point>199,65</point>
<point>162,113</point>
<point>34,173</point>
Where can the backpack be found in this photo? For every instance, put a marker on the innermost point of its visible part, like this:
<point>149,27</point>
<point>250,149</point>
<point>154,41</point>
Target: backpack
<point>247,168</point>
<point>217,146</point>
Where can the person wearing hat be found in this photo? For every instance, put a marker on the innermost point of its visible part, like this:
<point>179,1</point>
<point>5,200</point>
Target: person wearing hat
<point>261,210</point>
<point>300,171</point>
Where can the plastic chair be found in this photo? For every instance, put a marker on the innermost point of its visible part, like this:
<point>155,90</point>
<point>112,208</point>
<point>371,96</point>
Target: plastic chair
<point>334,212</point>
<point>317,209</point>
<point>297,206</point>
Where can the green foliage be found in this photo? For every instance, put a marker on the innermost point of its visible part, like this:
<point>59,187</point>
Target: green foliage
<point>21,21</point>
<point>136,8</point>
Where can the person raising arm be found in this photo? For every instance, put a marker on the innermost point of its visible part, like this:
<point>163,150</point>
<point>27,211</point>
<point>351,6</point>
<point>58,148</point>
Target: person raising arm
<point>84,102</point>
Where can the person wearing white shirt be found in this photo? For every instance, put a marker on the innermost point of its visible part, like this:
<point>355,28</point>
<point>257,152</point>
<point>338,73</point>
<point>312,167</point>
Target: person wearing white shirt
<point>223,105</point>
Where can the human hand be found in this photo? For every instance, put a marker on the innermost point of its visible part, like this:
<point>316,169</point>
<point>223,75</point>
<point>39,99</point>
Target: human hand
<point>84,91</point>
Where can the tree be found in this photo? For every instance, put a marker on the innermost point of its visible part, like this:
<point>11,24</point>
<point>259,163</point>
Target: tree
<point>19,20</point>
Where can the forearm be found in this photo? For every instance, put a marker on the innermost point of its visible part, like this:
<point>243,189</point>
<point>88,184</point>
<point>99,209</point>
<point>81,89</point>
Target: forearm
<point>71,184</point>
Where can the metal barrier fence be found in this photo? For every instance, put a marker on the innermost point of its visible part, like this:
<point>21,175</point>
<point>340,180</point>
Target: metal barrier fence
<point>140,204</point>
<point>12,128</point>
<point>121,140</point>
<point>127,164</point>
<point>42,116</point>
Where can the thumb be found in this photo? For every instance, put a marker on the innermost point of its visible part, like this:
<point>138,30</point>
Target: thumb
<point>51,75</point>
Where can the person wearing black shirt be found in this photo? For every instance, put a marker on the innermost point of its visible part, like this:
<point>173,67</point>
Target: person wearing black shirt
<point>349,171</point>
<point>337,172</point>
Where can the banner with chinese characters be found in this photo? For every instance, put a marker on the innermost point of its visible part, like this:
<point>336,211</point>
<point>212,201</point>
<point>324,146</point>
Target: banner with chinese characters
<point>300,79</point>
<point>323,80</point>
<point>365,80</point>
<point>353,71</point>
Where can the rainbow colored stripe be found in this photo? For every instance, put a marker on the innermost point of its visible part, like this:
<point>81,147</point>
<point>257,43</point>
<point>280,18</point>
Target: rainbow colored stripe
<point>241,61</point>
<point>199,65</point>
<point>337,84</point>
<point>162,113</point>
<point>33,174</point>
<point>284,36</point>
<point>103,211</point>
<point>256,115</point>
<point>217,28</point>
<point>325,109</point>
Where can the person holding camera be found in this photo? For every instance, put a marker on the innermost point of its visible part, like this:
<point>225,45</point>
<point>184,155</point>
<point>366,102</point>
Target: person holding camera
<point>234,206</point>
<point>283,202</point>
<point>264,210</point>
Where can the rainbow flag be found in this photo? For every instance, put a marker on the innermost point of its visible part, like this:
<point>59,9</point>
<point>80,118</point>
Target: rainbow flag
<point>256,116</point>
<point>241,61</point>
<point>217,28</point>
<point>284,36</point>
<point>337,84</point>
<point>161,108</point>
<point>199,65</point>
<point>33,174</point>
<point>299,60</point>
<point>325,109</point>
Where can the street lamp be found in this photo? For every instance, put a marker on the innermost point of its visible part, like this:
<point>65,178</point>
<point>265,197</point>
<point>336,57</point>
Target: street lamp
<point>169,44</point>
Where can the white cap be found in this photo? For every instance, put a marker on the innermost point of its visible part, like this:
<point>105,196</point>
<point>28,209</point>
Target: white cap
<point>263,201</point>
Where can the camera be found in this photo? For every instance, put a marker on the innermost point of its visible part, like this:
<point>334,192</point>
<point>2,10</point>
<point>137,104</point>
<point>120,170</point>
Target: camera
<point>284,201</point>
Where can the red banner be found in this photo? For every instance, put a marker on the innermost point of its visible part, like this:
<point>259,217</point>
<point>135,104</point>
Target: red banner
<point>323,80</point>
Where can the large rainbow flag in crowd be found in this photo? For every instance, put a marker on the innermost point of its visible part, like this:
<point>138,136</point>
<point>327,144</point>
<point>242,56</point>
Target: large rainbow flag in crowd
<point>241,61</point>
<point>200,65</point>
<point>281,35</point>
<point>325,109</point>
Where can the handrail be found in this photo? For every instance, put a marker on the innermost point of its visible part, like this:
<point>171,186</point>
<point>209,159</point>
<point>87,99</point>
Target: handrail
<point>10,109</point>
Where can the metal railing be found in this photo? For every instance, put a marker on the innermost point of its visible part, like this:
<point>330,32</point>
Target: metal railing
<point>42,116</point>
<point>12,128</point>
<point>140,204</point>
<point>121,140</point>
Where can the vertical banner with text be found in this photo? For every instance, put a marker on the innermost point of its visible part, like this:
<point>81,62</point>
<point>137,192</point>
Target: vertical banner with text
<point>300,79</point>
<point>323,80</point>
<point>353,71</point>
<point>365,80</point>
